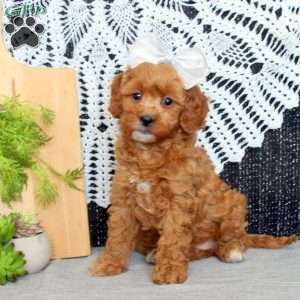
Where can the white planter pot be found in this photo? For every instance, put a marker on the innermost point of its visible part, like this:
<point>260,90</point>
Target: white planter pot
<point>36,250</point>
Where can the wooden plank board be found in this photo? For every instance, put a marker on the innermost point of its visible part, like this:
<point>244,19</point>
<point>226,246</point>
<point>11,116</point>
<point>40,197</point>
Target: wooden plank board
<point>66,222</point>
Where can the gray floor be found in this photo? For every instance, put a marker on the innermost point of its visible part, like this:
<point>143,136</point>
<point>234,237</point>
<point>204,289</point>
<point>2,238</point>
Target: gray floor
<point>264,275</point>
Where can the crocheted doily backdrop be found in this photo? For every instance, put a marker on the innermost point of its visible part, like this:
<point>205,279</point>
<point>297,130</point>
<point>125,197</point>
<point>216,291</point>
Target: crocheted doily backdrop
<point>253,53</point>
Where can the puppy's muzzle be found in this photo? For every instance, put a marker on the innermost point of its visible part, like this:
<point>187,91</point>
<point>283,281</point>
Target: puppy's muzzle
<point>146,120</point>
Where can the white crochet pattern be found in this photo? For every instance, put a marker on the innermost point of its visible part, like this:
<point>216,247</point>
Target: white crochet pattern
<point>252,49</point>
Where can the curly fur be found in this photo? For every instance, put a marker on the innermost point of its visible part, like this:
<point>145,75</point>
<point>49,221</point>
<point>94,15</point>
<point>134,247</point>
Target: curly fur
<point>167,201</point>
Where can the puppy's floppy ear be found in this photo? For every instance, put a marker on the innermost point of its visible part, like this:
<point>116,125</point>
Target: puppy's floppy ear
<point>115,105</point>
<point>196,107</point>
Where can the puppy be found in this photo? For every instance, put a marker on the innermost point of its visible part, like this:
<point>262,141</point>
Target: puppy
<point>167,201</point>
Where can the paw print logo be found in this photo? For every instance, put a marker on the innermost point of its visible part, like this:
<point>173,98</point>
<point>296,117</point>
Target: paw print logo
<point>24,32</point>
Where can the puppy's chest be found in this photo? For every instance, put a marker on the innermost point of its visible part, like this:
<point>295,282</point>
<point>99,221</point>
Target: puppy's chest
<point>151,194</point>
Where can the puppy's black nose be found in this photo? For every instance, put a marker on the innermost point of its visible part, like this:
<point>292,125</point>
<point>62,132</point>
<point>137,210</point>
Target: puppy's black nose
<point>146,120</point>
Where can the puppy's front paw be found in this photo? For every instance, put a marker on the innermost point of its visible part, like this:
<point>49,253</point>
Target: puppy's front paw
<point>105,268</point>
<point>169,274</point>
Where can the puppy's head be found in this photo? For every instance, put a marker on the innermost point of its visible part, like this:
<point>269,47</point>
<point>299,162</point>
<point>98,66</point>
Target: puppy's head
<point>152,104</point>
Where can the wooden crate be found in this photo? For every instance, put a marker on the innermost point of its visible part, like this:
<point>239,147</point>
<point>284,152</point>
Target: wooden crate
<point>66,222</point>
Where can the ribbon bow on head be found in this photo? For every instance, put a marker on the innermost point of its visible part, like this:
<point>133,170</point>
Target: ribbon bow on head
<point>190,63</point>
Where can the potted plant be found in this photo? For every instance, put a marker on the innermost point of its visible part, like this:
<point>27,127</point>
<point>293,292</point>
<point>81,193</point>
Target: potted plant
<point>32,241</point>
<point>24,246</point>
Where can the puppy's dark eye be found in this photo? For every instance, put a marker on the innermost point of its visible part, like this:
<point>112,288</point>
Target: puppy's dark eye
<point>137,96</point>
<point>167,101</point>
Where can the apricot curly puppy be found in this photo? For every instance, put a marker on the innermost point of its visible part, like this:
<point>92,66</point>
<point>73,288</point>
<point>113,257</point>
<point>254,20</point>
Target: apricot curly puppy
<point>167,200</point>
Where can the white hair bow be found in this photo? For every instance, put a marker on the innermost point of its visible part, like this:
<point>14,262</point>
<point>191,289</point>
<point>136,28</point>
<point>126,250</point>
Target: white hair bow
<point>190,63</point>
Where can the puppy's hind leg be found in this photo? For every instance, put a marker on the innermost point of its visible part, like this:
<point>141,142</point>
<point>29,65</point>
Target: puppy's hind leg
<point>146,244</point>
<point>151,256</point>
<point>231,251</point>
<point>231,246</point>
